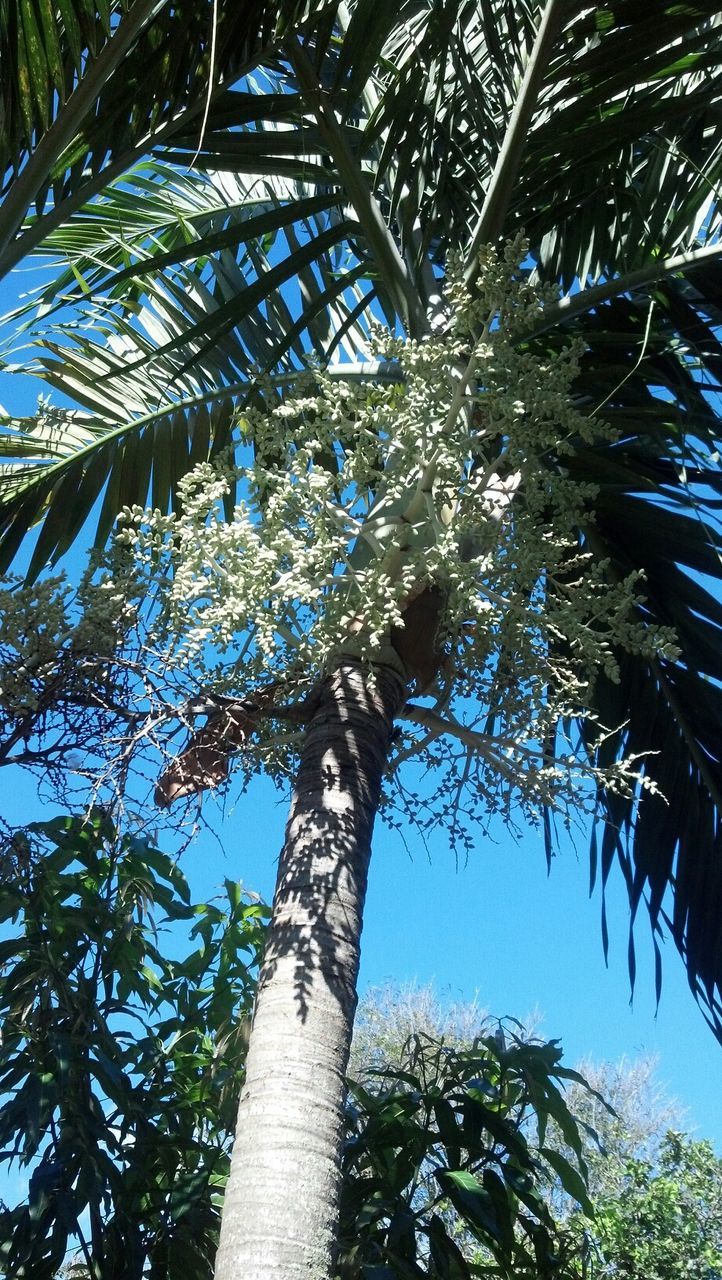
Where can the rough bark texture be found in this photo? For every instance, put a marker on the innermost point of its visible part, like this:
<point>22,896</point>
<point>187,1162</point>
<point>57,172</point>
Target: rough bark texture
<point>280,1212</point>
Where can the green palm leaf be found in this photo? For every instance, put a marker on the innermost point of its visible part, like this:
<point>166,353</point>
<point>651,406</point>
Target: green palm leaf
<point>202,313</point>
<point>86,90</point>
<point>659,495</point>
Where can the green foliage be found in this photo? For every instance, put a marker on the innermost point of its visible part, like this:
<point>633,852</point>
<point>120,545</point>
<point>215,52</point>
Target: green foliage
<point>121,1069</point>
<point>83,85</point>
<point>633,1125</point>
<point>656,1194</point>
<point>446,1163</point>
<point>665,1222</point>
<point>120,1066</point>
<point>388,1016</point>
<point>390,137</point>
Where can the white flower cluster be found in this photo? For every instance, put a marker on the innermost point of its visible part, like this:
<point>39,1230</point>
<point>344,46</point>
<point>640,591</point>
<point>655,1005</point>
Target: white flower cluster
<point>353,497</point>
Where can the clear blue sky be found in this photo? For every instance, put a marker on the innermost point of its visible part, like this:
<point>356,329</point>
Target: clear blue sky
<point>498,928</point>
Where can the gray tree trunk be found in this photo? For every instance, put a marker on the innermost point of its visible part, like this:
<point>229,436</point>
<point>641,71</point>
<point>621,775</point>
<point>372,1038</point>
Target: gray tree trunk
<point>281,1208</point>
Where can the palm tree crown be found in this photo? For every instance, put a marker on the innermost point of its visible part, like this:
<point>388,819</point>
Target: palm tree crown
<point>346,154</point>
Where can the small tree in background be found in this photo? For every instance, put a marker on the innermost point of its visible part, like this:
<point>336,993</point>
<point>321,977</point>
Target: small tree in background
<point>447,1157</point>
<point>389,1015</point>
<point>633,1126</point>
<point>656,1193</point>
<point>665,1220</point>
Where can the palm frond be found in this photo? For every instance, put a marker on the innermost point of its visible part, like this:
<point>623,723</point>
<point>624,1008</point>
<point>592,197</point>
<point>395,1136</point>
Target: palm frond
<point>86,91</point>
<point>657,510</point>
<point>56,467</point>
<point>181,340</point>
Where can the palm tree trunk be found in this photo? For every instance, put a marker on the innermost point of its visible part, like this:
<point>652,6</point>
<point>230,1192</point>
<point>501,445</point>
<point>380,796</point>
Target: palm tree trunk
<point>281,1206</point>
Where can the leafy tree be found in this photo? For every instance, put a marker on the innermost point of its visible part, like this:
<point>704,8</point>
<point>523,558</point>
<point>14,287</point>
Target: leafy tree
<point>656,1193</point>
<point>445,1168</point>
<point>665,1221</point>
<point>120,1068</point>
<point>632,1127</point>
<point>120,1065</point>
<point>389,1016</point>
<point>375,149</point>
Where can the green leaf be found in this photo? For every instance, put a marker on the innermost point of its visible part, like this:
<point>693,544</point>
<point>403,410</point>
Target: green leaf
<point>570,1178</point>
<point>476,1205</point>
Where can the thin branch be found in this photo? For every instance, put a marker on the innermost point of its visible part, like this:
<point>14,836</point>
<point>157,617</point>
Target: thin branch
<point>211,73</point>
<point>439,725</point>
<point>414,748</point>
<point>635,366</point>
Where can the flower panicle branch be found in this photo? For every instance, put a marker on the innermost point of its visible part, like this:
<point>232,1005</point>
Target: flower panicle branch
<point>434,522</point>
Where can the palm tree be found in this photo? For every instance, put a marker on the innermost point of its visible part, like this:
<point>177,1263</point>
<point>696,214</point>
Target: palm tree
<point>330,183</point>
